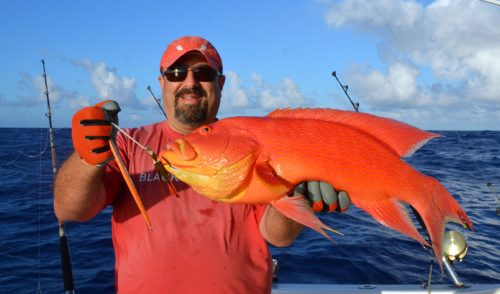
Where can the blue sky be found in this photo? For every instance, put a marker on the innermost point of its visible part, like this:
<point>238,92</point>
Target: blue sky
<point>433,64</point>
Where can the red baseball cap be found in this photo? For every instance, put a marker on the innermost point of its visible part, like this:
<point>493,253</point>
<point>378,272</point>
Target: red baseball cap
<point>186,44</point>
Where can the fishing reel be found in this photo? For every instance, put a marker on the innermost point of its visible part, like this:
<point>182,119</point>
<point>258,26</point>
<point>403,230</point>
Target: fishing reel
<point>454,249</point>
<point>454,246</point>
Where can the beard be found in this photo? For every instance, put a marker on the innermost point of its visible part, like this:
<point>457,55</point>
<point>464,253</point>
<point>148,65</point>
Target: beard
<point>192,115</point>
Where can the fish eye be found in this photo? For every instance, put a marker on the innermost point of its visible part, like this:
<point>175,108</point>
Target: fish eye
<point>206,130</point>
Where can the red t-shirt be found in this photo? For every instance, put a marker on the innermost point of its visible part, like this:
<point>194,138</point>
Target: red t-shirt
<point>197,245</point>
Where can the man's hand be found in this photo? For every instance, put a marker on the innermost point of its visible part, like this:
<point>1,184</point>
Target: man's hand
<point>91,131</point>
<point>323,197</point>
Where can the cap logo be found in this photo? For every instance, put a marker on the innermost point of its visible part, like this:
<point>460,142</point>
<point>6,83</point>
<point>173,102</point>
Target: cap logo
<point>179,48</point>
<point>203,47</point>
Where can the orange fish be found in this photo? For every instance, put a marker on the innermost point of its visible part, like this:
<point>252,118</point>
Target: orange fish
<point>258,160</point>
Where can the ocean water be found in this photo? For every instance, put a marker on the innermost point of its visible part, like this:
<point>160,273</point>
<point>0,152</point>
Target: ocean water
<point>368,253</point>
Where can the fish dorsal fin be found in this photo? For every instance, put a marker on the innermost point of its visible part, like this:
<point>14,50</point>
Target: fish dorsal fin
<point>404,139</point>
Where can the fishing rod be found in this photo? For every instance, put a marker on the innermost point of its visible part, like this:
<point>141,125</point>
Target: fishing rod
<point>63,240</point>
<point>344,88</point>
<point>157,101</point>
<point>494,2</point>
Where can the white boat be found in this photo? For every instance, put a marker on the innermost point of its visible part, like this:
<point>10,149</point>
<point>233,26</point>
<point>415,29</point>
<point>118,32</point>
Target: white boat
<point>455,249</point>
<point>279,288</point>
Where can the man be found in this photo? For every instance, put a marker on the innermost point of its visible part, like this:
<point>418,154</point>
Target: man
<point>196,245</point>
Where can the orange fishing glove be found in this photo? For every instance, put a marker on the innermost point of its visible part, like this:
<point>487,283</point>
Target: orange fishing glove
<point>323,197</point>
<point>91,131</point>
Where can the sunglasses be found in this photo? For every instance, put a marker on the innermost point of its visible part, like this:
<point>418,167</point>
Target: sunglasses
<point>201,73</point>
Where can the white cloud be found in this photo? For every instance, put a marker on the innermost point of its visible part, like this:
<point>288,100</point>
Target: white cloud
<point>395,88</point>
<point>261,96</point>
<point>287,94</point>
<point>54,91</point>
<point>110,85</point>
<point>367,14</point>
<point>234,94</point>
<point>79,102</point>
<point>456,40</point>
<point>32,92</point>
<point>135,117</point>
<point>486,83</point>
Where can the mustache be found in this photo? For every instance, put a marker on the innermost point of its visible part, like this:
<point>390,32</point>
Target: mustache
<point>198,91</point>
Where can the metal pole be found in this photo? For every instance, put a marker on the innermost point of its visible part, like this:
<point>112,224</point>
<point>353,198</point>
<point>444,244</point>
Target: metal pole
<point>49,116</point>
<point>157,101</point>
<point>495,2</point>
<point>452,273</point>
<point>63,240</point>
<point>344,88</point>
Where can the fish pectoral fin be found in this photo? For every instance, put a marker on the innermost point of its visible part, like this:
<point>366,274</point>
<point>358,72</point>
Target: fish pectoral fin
<point>271,179</point>
<point>393,214</point>
<point>298,209</point>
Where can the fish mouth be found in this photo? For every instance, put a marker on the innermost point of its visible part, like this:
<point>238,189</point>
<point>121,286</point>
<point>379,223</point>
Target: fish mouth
<point>184,156</point>
<point>185,167</point>
<point>221,184</point>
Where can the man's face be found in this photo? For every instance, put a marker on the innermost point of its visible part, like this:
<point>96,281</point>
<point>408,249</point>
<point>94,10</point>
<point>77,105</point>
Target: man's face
<point>190,103</point>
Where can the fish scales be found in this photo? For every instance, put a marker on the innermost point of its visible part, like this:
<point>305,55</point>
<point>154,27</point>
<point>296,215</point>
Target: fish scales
<point>260,159</point>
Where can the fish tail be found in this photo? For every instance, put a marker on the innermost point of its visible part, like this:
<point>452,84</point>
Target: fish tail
<point>439,209</point>
<point>298,209</point>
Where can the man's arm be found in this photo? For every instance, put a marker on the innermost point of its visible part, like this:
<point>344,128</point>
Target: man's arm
<point>79,193</point>
<point>278,229</point>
